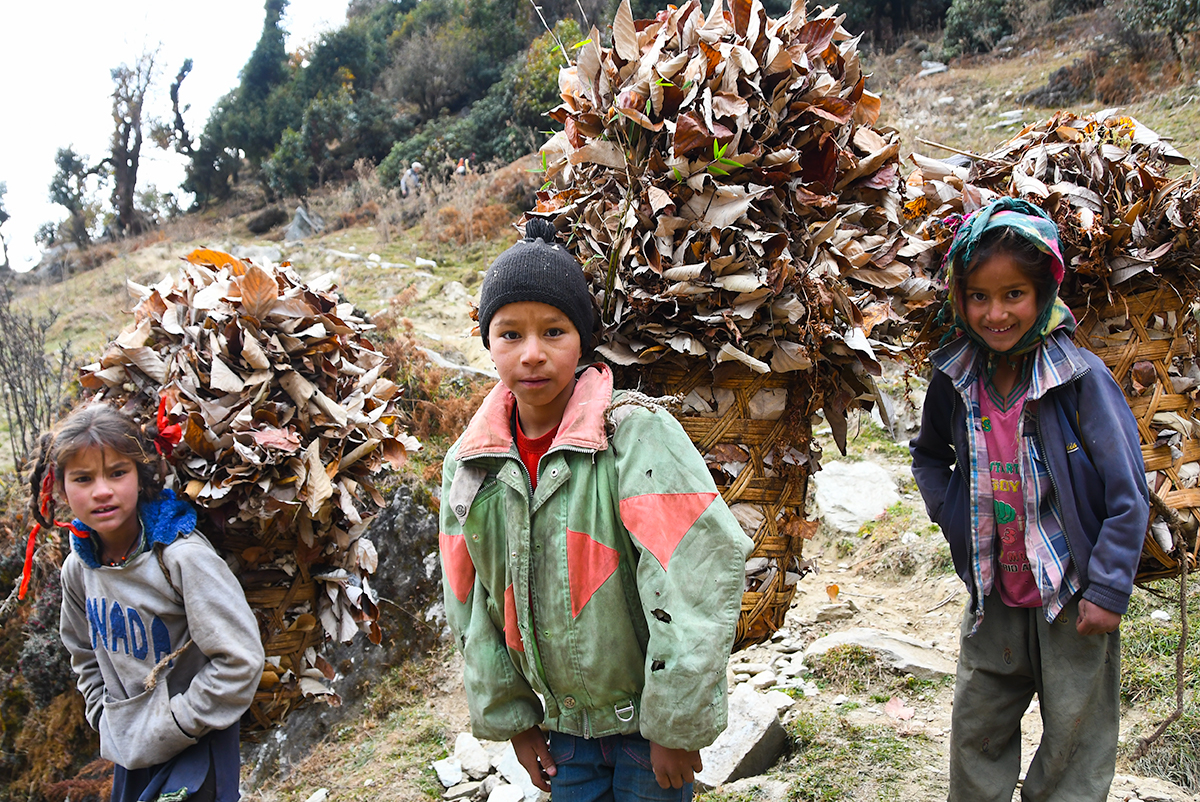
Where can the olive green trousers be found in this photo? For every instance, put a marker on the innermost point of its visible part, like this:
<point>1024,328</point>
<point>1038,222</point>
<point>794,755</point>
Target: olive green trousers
<point>1015,654</point>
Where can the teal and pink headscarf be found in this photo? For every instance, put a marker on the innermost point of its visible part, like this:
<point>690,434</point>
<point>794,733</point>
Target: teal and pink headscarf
<point>1034,225</point>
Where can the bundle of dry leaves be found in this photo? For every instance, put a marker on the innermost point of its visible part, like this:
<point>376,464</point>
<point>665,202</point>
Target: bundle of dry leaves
<point>1128,233</point>
<point>283,419</point>
<point>1105,180</point>
<point>726,192</point>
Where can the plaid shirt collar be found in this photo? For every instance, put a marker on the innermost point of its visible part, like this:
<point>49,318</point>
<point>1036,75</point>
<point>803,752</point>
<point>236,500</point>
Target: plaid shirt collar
<point>1058,361</point>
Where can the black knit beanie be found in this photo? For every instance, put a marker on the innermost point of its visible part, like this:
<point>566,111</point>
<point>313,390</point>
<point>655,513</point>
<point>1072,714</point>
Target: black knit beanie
<point>538,268</point>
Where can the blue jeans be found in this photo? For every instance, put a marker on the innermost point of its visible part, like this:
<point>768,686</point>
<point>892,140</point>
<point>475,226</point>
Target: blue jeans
<point>615,768</point>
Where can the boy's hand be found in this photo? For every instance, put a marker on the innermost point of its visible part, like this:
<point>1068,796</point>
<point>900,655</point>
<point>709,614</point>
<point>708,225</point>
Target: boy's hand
<point>1095,620</point>
<point>673,768</point>
<point>533,752</point>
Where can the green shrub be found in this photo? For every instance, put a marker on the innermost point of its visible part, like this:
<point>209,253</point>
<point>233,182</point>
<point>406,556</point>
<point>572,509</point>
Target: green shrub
<point>505,124</point>
<point>835,760</point>
<point>974,26</point>
<point>1179,19</point>
<point>289,169</point>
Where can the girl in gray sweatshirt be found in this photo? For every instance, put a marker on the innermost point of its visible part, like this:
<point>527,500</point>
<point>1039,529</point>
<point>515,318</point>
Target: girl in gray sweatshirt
<point>166,649</point>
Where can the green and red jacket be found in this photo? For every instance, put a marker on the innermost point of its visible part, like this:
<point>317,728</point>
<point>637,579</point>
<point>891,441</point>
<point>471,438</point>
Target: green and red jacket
<point>612,591</point>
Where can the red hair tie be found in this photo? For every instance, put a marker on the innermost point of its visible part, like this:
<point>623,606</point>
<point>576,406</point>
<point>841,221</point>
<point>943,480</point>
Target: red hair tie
<point>44,498</point>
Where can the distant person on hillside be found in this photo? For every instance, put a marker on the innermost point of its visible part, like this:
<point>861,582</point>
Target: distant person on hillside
<point>410,182</point>
<point>592,574</point>
<point>1029,459</point>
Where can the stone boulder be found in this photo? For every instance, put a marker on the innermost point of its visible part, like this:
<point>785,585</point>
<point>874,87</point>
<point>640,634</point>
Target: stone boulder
<point>851,493</point>
<point>259,254</point>
<point>754,739</point>
<point>899,652</point>
<point>267,219</point>
<point>303,226</point>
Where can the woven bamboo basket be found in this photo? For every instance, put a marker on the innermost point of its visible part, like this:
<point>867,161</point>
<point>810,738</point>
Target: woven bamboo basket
<point>733,413</point>
<point>1147,340</point>
<point>283,645</point>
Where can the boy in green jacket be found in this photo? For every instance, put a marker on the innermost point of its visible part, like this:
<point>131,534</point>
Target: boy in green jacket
<point>592,573</point>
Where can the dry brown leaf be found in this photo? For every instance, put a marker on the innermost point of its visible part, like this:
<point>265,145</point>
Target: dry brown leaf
<point>259,293</point>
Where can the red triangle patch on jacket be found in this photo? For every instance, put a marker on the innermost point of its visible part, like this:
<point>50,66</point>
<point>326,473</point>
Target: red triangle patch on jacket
<point>512,632</point>
<point>589,565</point>
<point>660,520</point>
<point>457,565</point>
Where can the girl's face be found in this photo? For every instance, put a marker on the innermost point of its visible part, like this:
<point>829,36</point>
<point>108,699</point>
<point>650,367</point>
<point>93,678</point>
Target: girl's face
<point>1000,303</point>
<point>102,491</point>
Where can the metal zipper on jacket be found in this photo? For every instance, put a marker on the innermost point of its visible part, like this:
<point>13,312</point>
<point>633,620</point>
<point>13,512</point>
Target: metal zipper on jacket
<point>537,653</point>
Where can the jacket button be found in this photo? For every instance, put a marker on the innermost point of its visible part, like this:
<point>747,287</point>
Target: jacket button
<point>460,509</point>
<point>554,472</point>
<point>568,702</point>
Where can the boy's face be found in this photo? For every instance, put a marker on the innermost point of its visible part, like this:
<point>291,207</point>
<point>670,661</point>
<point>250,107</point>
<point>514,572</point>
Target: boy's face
<point>535,348</point>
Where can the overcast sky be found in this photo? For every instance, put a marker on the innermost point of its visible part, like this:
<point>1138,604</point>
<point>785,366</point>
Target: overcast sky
<point>55,60</point>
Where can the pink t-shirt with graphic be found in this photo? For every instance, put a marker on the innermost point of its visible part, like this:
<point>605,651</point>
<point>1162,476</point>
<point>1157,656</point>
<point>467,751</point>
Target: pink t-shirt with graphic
<point>1001,431</point>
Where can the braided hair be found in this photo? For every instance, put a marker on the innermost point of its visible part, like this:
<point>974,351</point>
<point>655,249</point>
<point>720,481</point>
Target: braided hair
<point>92,426</point>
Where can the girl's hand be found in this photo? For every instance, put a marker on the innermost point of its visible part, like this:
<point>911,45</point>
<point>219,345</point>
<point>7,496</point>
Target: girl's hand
<point>533,752</point>
<point>673,768</point>
<point>1095,620</point>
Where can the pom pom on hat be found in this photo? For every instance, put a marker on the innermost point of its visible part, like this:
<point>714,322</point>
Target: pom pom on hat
<point>538,268</point>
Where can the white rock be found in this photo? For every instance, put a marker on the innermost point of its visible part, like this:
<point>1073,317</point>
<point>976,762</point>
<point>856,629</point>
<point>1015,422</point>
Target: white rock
<point>462,790</point>
<point>760,789</point>
<point>374,257</point>
<point>420,262</point>
<point>472,756</point>
<point>781,700</point>
<point>751,668</point>
<point>320,795</point>
<point>453,292</point>
<point>762,680</point>
<point>901,652</point>
<point>851,493</point>
<point>836,612</point>
<point>261,255</point>
<point>841,699</point>
<point>449,772</point>
<point>506,793</point>
<point>1160,615</point>
<point>793,668</point>
<point>748,746</point>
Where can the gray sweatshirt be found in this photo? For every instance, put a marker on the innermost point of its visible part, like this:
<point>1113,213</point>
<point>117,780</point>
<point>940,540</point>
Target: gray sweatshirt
<point>119,622</point>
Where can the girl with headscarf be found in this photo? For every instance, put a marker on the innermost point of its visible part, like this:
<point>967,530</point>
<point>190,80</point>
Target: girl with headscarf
<point>1029,460</point>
